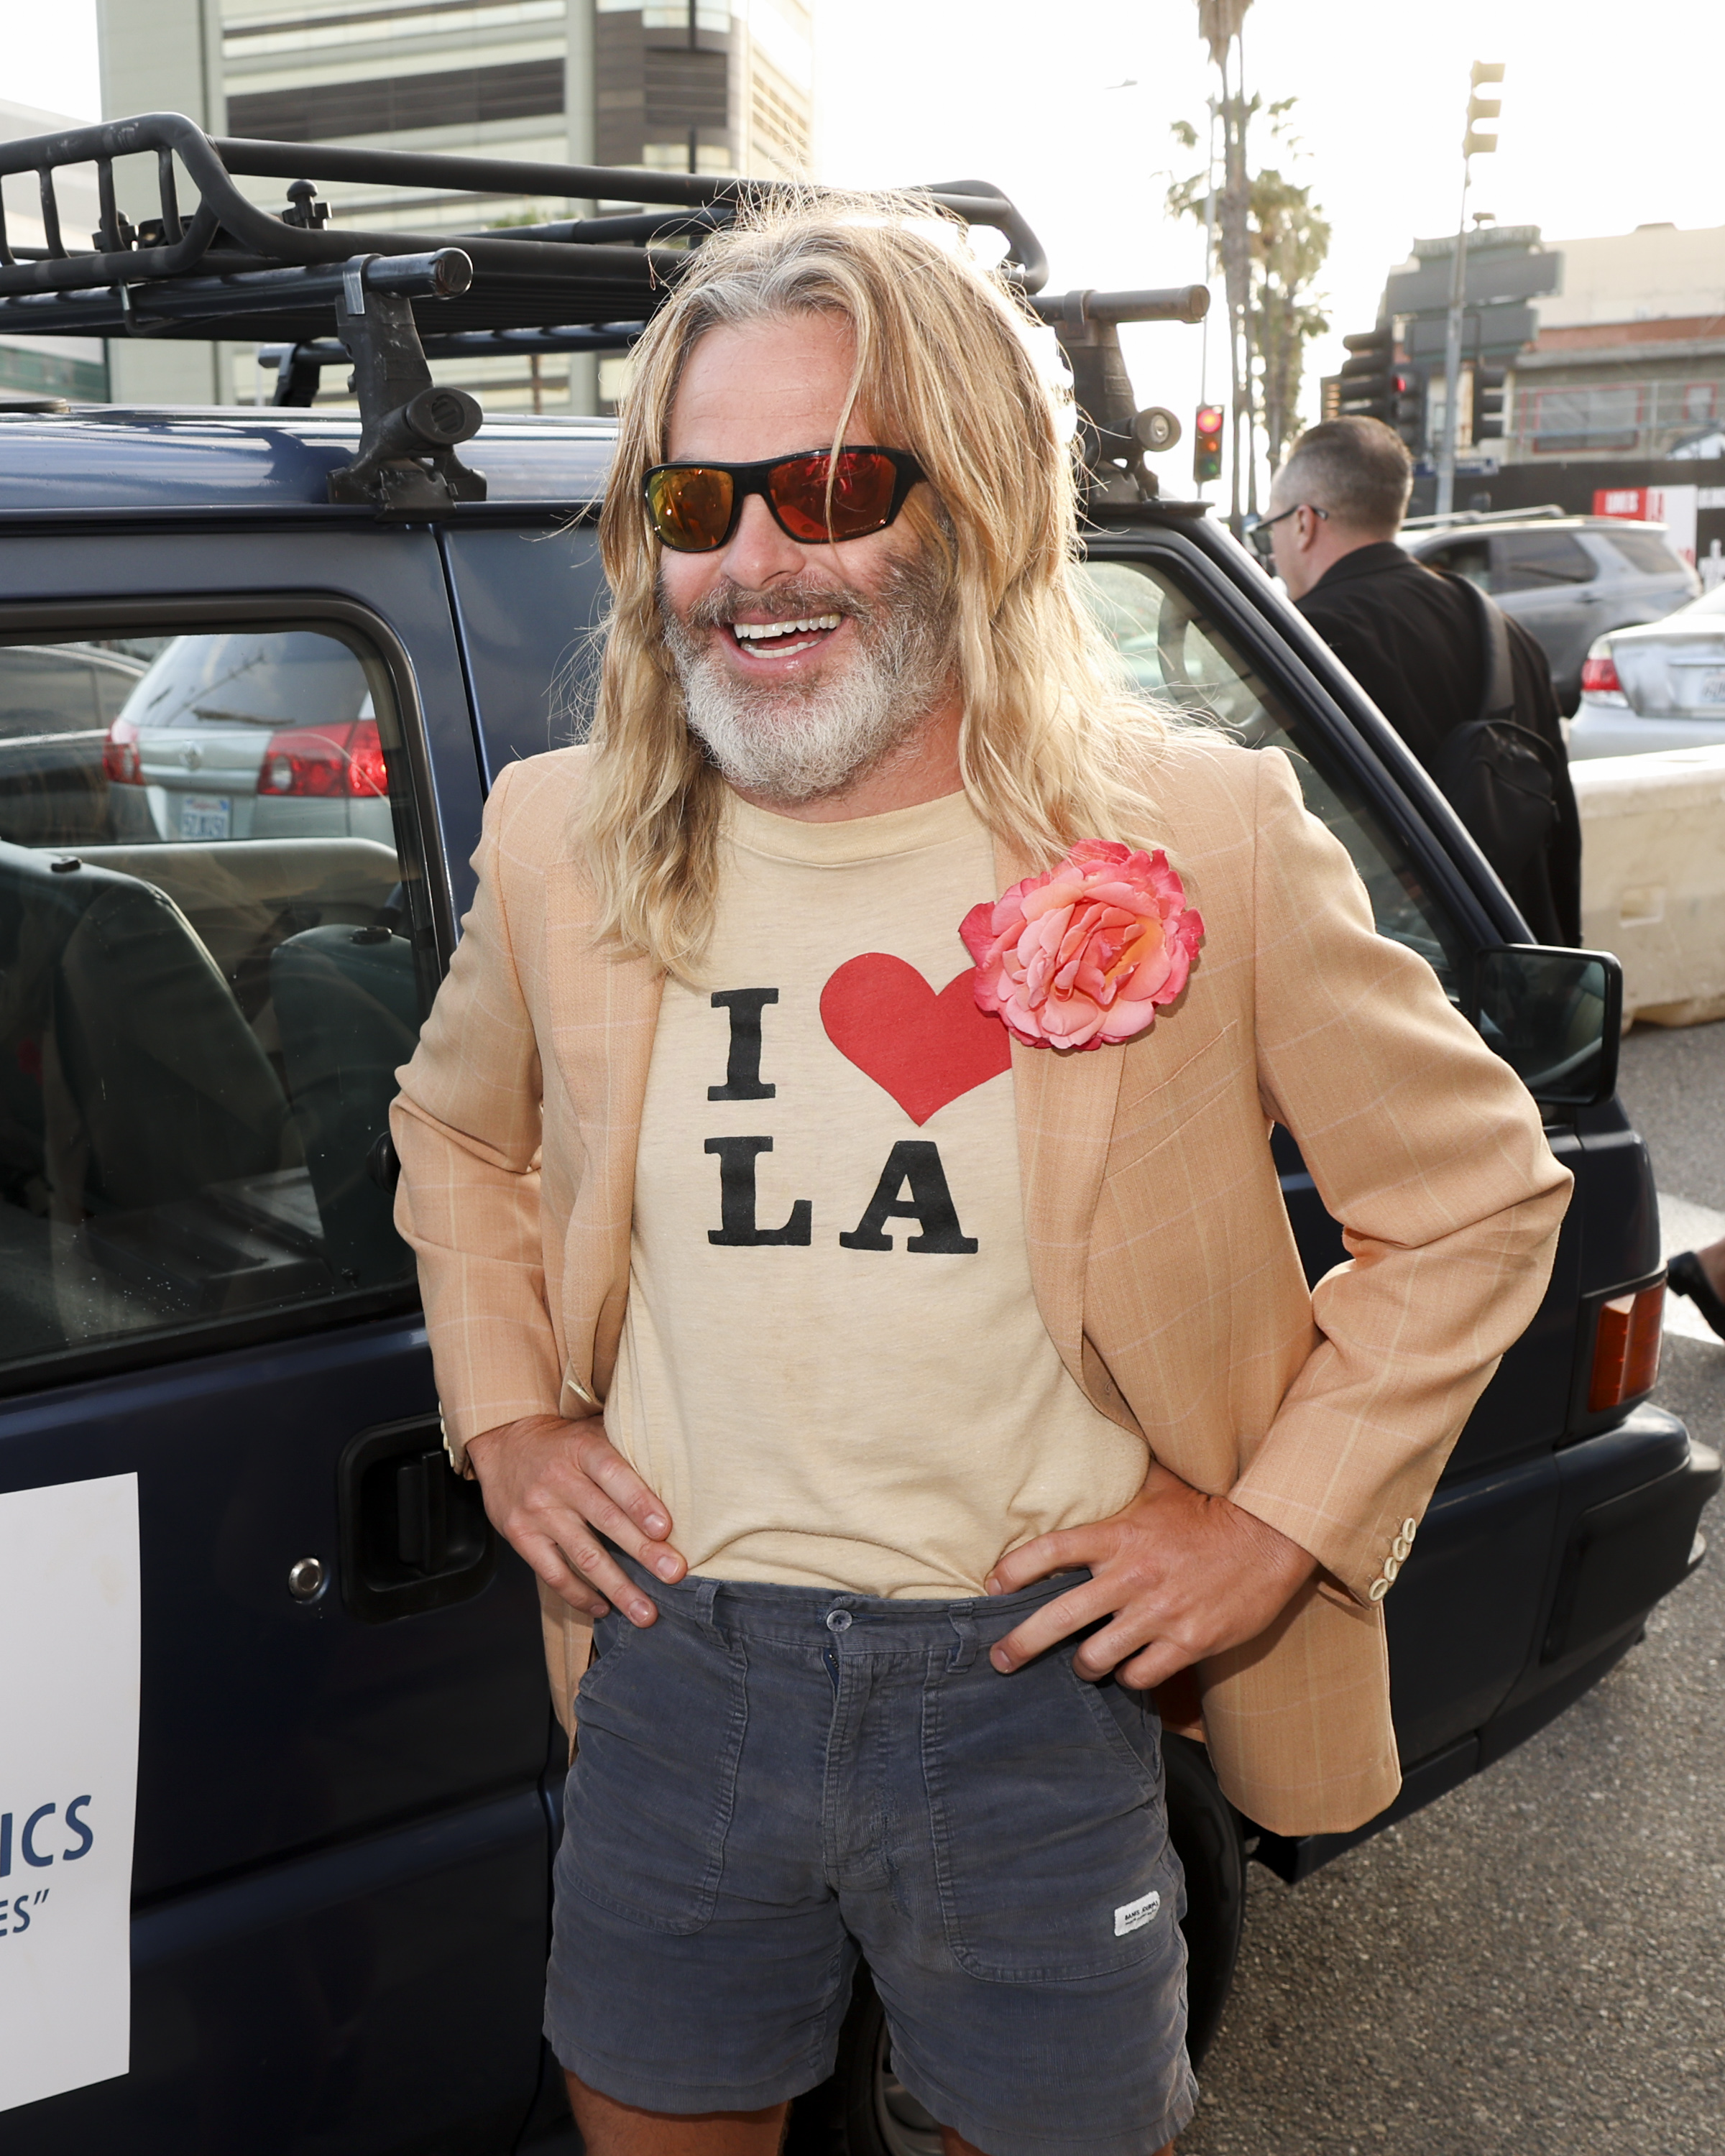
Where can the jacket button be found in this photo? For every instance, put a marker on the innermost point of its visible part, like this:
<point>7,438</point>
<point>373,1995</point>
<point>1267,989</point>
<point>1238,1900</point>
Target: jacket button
<point>1377,1591</point>
<point>1391,1566</point>
<point>1403,1544</point>
<point>1410,1528</point>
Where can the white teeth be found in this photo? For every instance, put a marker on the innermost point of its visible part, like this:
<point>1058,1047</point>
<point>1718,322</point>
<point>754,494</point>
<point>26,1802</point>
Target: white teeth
<point>755,632</point>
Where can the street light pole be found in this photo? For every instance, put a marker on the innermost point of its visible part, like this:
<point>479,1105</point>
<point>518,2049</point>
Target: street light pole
<point>1473,144</point>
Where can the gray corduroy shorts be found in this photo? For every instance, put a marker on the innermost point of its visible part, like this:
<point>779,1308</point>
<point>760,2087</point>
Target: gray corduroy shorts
<point>773,1781</point>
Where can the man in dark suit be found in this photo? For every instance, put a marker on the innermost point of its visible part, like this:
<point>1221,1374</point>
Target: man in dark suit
<point>1412,638</point>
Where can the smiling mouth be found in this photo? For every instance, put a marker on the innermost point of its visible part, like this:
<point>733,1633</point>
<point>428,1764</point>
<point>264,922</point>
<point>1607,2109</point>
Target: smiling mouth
<point>781,640</point>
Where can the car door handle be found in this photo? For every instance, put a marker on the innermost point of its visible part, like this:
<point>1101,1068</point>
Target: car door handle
<point>414,1535</point>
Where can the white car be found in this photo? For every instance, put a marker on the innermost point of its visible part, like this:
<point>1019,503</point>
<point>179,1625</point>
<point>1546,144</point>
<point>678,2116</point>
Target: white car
<point>254,735</point>
<point>1658,686</point>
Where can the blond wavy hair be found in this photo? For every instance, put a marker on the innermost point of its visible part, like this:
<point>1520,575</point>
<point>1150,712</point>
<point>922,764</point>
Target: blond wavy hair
<point>1055,745</point>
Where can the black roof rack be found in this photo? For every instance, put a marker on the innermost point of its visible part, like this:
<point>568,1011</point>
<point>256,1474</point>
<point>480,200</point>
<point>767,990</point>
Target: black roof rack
<point>230,269</point>
<point>314,294</point>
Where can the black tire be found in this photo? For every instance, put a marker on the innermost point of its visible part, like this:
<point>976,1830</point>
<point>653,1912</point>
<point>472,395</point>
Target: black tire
<point>862,2110</point>
<point>1204,1829</point>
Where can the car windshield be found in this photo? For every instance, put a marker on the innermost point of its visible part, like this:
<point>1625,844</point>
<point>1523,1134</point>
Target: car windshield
<point>292,677</point>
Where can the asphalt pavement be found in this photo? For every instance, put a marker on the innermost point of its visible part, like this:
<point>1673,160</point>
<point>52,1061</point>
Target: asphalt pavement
<point>1535,1965</point>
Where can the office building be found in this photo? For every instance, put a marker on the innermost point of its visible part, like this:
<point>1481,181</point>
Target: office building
<point>701,86</point>
<point>76,367</point>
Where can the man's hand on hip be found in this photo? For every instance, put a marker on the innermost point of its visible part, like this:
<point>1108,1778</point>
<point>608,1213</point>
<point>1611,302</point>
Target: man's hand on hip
<point>551,1488</point>
<point>1179,1574</point>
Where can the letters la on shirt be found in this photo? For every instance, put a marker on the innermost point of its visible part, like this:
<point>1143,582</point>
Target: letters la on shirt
<point>833,1367</point>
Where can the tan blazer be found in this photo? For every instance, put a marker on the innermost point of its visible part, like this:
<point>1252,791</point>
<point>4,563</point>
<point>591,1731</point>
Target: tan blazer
<point>1163,1263</point>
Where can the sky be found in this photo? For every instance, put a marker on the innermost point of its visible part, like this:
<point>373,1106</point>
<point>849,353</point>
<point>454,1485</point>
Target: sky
<point>1067,105</point>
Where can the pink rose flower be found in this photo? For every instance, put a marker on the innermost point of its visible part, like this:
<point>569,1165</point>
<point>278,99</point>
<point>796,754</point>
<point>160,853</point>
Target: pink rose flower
<point>1085,953</point>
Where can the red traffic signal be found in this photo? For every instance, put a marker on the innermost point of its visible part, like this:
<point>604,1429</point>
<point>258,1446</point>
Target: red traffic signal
<point>1207,442</point>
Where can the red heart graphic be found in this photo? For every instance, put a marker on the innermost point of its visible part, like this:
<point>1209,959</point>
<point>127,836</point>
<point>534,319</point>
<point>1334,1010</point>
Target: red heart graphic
<point>923,1049</point>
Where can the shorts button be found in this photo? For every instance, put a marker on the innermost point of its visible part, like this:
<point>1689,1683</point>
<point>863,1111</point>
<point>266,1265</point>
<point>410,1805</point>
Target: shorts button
<point>838,1621</point>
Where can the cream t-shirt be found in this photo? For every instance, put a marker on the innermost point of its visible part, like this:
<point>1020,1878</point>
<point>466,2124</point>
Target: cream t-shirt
<point>833,1367</point>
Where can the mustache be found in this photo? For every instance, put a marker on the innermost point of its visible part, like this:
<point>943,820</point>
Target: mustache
<point>727,602</point>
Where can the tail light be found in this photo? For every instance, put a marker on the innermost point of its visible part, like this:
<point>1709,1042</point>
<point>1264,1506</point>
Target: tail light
<point>1598,677</point>
<point>122,763</point>
<point>1626,1348</point>
<point>326,762</point>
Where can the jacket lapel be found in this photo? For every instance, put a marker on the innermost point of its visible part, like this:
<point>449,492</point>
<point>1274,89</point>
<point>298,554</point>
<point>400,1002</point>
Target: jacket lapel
<point>1065,1104</point>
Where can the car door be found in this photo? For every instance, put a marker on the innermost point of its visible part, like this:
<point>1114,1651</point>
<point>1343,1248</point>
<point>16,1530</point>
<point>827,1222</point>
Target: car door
<point>1462,1619</point>
<point>339,1884</point>
<point>527,599</point>
<point>1552,585</point>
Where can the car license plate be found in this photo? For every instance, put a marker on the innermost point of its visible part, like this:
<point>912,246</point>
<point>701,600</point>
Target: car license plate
<point>205,815</point>
<point>1710,690</point>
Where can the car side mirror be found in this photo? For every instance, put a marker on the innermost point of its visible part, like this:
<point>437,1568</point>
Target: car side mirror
<point>1555,1017</point>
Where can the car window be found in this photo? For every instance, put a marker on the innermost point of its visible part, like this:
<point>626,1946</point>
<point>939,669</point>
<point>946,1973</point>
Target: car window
<point>216,948</point>
<point>1645,551</point>
<point>1538,561</point>
<point>61,689</point>
<point>1178,654</point>
<point>1470,557</point>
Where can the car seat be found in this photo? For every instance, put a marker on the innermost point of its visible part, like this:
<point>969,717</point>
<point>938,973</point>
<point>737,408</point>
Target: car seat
<point>129,1082</point>
<point>346,1002</point>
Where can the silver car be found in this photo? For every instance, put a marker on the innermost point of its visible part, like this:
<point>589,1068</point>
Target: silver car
<point>1569,580</point>
<point>254,735</point>
<point>1662,686</point>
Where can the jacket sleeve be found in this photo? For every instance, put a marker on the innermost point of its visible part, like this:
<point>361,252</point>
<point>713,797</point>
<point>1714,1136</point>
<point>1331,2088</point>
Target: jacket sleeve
<point>466,1127</point>
<point>1430,1152</point>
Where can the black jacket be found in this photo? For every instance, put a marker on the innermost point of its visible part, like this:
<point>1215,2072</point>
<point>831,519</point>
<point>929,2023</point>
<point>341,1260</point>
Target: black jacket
<point>1412,641</point>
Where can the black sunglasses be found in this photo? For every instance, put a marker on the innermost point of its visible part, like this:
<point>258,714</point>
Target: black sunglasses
<point>815,497</point>
<point>1259,533</point>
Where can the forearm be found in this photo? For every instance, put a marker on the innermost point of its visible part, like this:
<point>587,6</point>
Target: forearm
<point>466,1126</point>
<point>474,1227</point>
<point>1428,1150</point>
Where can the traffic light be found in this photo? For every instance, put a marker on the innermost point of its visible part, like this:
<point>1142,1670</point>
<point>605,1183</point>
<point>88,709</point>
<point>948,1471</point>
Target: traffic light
<point>1481,108</point>
<point>1408,419</point>
<point>1488,403</point>
<point>1207,444</point>
<point>1368,381</point>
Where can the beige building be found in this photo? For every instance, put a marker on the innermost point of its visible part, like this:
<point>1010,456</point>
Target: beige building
<point>702,85</point>
<point>1629,360</point>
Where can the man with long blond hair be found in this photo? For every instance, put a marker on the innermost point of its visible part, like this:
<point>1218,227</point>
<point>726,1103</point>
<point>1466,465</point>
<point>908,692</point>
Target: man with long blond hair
<point>853,1261</point>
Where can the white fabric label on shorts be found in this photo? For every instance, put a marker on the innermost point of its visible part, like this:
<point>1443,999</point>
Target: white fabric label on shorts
<point>1133,1916</point>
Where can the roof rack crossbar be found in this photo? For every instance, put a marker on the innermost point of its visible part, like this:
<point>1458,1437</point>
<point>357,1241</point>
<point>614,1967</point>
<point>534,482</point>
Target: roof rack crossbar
<point>596,251</point>
<point>443,274</point>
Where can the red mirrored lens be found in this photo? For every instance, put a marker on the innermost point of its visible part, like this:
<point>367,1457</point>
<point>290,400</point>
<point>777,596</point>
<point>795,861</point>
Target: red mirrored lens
<point>861,500</point>
<point>690,507</point>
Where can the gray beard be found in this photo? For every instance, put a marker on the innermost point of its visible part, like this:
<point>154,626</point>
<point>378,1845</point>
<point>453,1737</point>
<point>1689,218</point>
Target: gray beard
<point>800,741</point>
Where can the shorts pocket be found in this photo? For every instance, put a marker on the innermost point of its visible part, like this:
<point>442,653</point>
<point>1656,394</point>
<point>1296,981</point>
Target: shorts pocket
<point>650,1796</point>
<point>1049,1822</point>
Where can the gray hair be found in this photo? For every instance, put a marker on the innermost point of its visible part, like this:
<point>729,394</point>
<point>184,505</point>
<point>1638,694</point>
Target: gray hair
<point>1358,470</point>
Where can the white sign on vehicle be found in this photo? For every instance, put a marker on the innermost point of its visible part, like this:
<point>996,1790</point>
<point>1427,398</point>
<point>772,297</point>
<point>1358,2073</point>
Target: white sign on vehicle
<point>68,1769</point>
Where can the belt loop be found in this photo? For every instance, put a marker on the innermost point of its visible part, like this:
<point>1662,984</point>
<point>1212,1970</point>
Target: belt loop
<point>707,1593</point>
<point>964,1643</point>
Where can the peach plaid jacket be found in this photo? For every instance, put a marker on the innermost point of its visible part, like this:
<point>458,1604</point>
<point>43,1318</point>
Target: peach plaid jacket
<point>1160,1250</point>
